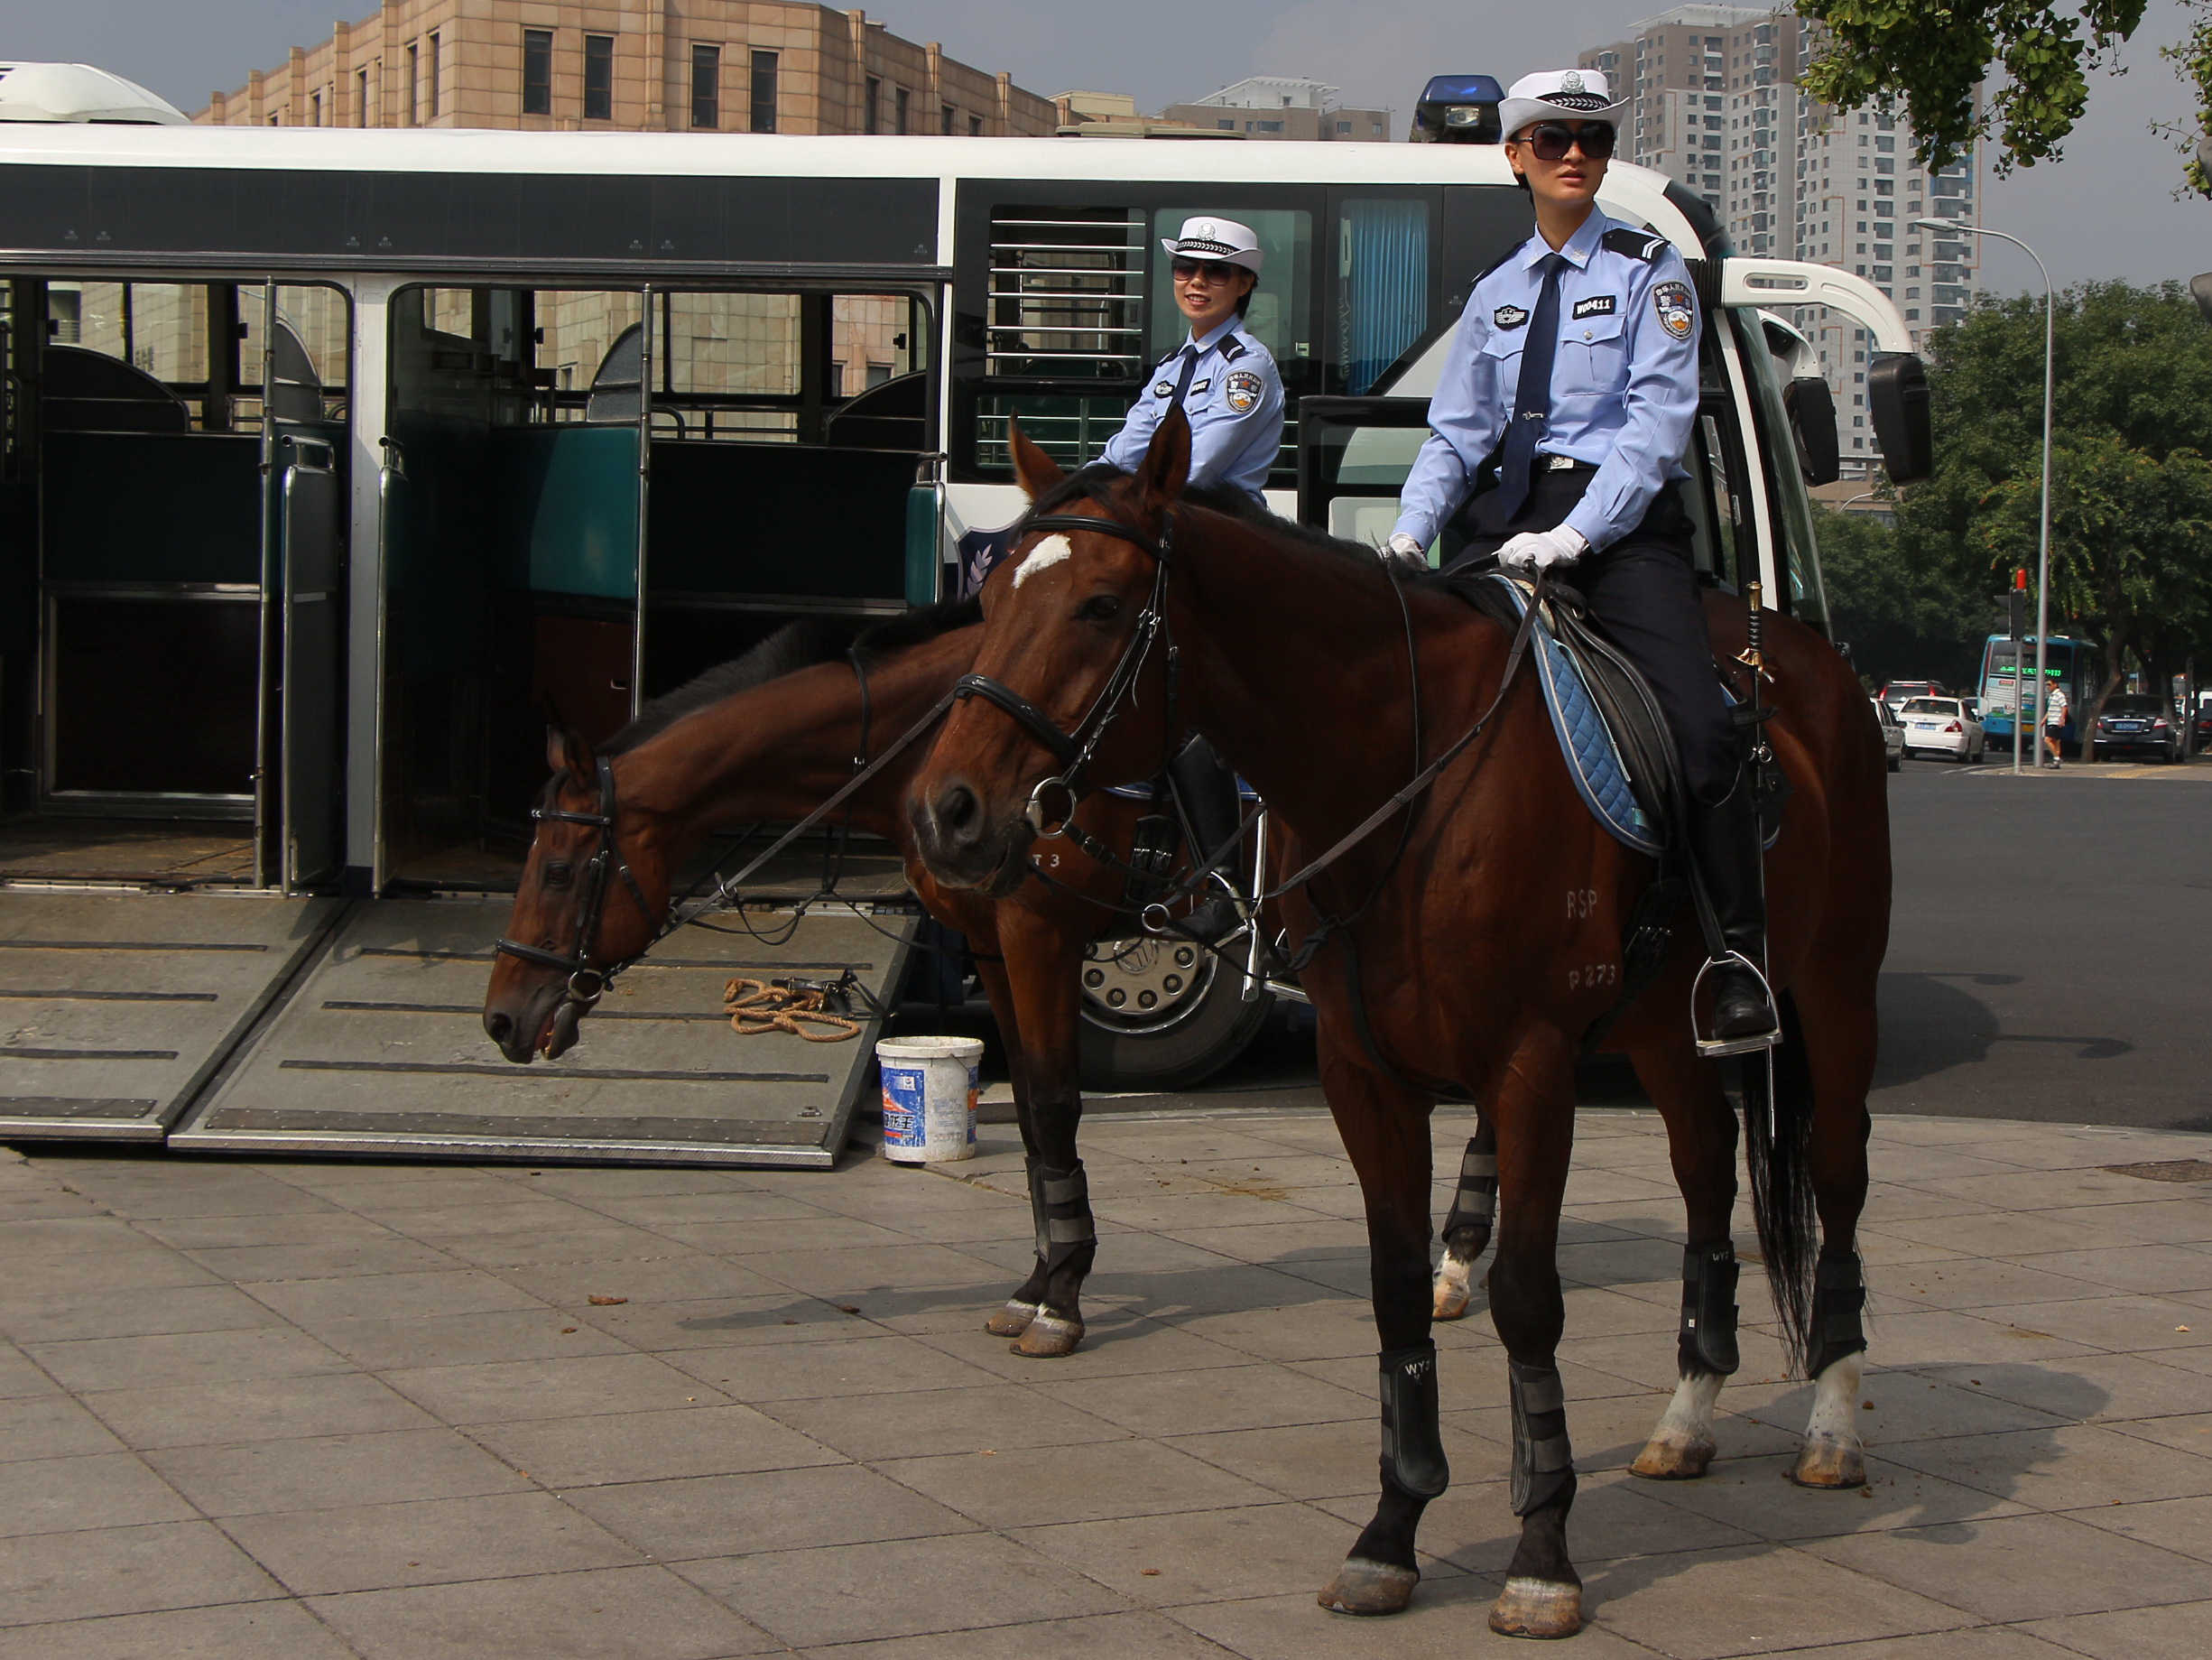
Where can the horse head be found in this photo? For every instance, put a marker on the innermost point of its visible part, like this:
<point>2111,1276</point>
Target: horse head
<point>591,900</point>
<point>1070,688</point>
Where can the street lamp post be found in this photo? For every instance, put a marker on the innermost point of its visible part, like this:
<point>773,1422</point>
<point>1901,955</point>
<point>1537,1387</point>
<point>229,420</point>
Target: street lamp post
<point>2042,551</point>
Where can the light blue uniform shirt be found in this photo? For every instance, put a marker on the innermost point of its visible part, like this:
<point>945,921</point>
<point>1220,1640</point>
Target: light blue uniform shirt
<point>1235,406</point>
<point>1624,379</point>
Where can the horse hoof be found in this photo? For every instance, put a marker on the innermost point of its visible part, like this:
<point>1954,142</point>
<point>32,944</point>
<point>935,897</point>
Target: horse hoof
<point>1048,1336</point>
<point>1668,1457</point>
<point>1454,1288</point>
<point>1538,1609</point>
<point>1012,1319</point>
<point>1369,1588</point>
<point>1830,1462</point>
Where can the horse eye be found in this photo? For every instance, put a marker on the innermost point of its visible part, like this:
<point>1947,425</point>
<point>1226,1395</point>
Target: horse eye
<point>1099,608</point>
<point>558,873</point>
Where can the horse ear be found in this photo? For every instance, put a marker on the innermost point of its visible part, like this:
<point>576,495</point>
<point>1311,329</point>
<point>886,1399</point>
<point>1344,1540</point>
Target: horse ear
<point>1037,471</point>
<point>567,752</point>
<point>1166,466</point>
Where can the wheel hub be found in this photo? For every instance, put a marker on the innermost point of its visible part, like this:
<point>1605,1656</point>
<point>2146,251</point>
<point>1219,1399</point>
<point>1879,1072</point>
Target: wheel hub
<point>1142,980</point>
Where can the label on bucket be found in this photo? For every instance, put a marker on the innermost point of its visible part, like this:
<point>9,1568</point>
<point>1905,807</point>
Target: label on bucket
<point>904,1096</point>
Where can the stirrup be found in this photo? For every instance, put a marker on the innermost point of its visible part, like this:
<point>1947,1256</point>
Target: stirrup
<point>1717,1048</point>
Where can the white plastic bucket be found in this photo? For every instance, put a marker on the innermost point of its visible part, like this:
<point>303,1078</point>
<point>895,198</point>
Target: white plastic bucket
<point>929,1089</point>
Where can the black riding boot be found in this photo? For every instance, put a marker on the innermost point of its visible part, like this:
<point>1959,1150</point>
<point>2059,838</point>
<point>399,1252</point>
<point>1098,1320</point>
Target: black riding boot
<point>1208,790</point>
<point>1726,845</point>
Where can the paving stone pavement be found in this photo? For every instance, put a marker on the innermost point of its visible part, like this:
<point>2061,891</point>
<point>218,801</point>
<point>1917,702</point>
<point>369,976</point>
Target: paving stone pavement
<point>323,1409</point>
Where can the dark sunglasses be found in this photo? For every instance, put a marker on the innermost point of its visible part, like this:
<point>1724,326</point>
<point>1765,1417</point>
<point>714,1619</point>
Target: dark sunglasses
<point>1551,140</point>
<point>1212,270</point>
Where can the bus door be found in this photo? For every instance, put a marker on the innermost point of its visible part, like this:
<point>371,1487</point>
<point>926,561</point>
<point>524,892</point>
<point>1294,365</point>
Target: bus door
<point>514,553</point>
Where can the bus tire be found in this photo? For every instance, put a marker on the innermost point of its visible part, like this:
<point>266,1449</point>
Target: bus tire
<point>1218,1027</point>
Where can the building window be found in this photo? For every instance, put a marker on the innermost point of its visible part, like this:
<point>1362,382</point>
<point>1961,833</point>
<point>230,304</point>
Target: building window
<point>537,71</point>
<point>763,92</point>
<point>878,373</point>
<point>903,101</point>
<point>946,116</point>
<point>1271,127</point>
<point>871,103</point>
<point>1227,127</point>
<point>412,115</point>
<point>598,77</point>
<point>360,107</point>
<point>314,102</point>
<point>706,87</point>
<point>1344,129</point>
<point>433,77</point>
<point>975,126</point>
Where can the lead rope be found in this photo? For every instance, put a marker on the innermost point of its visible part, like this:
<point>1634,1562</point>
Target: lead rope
<point>754,1007</point>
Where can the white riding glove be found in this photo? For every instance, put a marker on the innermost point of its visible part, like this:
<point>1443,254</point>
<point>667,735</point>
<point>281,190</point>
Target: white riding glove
<point>1406,553</point>
<point>1534,551</point>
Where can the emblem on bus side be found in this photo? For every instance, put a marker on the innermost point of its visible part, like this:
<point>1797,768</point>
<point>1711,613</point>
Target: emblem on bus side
<point>1243,388</point>
<point>1509,317</point>
<point>1676,308</point>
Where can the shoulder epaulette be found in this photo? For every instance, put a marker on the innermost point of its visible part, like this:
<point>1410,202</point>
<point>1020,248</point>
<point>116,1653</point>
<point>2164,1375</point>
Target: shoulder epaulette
<point>1234,347</point>
<point>1644,245</point>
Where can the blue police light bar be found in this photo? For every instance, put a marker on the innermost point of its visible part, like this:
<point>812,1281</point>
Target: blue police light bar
<point>1458,109</point>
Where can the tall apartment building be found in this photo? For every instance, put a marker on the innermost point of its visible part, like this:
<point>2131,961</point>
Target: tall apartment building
<point>1280,107</point>
<point>655,66</point>
<point>1717,107</point>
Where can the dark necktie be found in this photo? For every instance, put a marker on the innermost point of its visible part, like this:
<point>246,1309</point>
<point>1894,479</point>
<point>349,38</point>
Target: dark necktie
<point>1533,397</point>
<point>1191,367</point>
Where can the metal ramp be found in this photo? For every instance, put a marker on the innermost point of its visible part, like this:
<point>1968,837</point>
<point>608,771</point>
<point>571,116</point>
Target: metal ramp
<point>382,1051</point>
<point>116,1007</point>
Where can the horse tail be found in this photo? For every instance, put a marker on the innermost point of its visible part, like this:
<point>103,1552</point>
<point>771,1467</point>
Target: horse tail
<point>1777,1124</point>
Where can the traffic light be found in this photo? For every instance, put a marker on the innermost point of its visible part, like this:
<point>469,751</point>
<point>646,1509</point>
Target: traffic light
<point>2016,604</point>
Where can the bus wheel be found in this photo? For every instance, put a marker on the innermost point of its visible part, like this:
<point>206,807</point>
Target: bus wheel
<point>1162,1014</point>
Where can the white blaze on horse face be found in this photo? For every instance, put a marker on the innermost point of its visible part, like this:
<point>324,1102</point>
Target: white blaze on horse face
<point>1042,556</point>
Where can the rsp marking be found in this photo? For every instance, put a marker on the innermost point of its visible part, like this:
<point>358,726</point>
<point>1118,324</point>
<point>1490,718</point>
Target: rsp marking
<point>1581,902</point>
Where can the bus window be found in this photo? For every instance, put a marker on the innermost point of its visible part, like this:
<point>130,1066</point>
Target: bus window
<point>1282,305</point>
<point>1385,291</point>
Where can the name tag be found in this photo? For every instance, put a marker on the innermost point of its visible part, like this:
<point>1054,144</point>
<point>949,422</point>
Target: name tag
<point>1197,386</point>
<point>1596,305</point>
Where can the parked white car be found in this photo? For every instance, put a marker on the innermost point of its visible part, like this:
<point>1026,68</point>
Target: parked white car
<point>1893,733</point>
<point>1941,726</point>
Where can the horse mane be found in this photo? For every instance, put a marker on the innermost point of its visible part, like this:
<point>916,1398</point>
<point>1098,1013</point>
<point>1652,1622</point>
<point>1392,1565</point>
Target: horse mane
<point>801,644</point>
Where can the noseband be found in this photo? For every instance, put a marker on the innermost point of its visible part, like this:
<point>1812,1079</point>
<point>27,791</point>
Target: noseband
<point>1074,750</point>
<point>587,984</point>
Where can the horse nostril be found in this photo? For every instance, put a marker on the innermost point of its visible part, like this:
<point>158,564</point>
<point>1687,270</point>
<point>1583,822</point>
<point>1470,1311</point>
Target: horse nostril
<point>498,1026</point>
<point>958,809</point>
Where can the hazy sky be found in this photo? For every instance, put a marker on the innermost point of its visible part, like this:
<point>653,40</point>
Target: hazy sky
<point>2105,210</point>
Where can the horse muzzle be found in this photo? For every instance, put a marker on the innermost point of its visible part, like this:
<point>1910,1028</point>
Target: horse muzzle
<point>964,846</point>
<point>545,1024</point>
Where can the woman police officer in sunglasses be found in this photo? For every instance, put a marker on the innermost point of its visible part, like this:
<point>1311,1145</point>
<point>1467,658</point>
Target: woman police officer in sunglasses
<point>1555,444</point>
<point>1224,378</point>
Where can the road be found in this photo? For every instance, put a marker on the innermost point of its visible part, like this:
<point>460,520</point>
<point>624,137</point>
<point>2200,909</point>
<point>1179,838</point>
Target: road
<point>2048,945</point>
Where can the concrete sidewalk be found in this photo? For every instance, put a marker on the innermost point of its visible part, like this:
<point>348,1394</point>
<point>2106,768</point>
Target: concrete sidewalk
<point>314,1410</point>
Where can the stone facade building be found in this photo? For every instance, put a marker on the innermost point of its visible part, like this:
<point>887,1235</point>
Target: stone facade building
<point>682,66</point>
<point>1275,107</point>
<point>1717,108</point>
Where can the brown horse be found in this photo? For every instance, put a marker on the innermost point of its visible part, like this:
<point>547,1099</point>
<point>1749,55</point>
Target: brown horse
<point>767,738</point>
<point>1469,940</point>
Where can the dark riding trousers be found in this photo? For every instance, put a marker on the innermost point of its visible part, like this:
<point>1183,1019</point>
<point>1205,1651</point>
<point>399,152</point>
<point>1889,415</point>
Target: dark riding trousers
<point>1642,593</point>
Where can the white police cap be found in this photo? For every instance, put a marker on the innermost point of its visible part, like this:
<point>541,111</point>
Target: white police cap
<point>1218,239</point>
<point>1556,94</point>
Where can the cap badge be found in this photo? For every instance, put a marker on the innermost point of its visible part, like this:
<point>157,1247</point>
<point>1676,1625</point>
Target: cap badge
<point>1571,81</point>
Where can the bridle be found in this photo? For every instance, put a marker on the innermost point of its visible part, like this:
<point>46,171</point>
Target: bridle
<point>1074,750</point>
<point>587,984</point>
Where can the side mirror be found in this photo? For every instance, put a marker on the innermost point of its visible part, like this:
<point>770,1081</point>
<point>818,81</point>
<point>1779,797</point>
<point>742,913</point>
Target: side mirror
<point>1812,417</point>
<point>1897,397</point>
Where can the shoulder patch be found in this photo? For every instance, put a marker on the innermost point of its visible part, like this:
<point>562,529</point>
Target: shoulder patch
<point>1243,389</point>
<point>1677,308</point>
<point>1644,245</point>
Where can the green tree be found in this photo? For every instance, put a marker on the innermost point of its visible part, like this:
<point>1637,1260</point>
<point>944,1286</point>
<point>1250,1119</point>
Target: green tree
<point>1902,620</point>
<point>2131,537</point>
<point>2015,70</point>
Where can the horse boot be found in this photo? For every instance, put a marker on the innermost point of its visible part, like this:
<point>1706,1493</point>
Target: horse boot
<point>1466,1229</point>
<point>1833,1455</point>
<point>1683,1446</point>
<point>1028,1299</point>
<point>1726,842</point>
<point>1378,1577</point>
<point>1206,788</point>
<point>1067,1242</point>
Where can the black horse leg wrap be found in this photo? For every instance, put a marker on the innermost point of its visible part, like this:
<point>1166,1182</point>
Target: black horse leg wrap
<point>1476,1203</point>
<point>1059,1202</point>
<point>1544,1462</point>
<point>1838,1296</point>
<point>1708,1310</point>
<point>1413,1443</point>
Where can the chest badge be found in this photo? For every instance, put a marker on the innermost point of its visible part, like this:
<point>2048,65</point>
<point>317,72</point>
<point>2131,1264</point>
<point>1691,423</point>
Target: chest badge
<point>1596,305</point>
<point>1509,317</point>
<point>1677,311</point>
<point>1165,389</point>
<point>1243,389</point>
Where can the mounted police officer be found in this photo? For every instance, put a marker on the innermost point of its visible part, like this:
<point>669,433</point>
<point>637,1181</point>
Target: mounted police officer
<point>1556,441</point>
<point>1223,378</point>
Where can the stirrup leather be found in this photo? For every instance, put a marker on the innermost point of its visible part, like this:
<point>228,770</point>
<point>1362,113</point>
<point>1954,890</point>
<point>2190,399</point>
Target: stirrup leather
<point>1715,1048</point>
